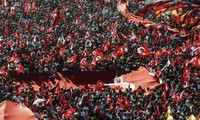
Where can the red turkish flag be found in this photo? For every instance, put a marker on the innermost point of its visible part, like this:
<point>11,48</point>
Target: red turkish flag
<point>127,102</point>
<point>143,51</point>
<point>70,112</point>
<point>27,7</point>
<point>19,68</point>
<point>104,48</point>
<point>58,18</point>
<point>83,63</point>
<point>166,87</point>
<point>4,72</point>
<point>1,46</point>
<point>96,52</point>
<point>119,51</point>
<point>49,29</point>
<point>48,59</point>
<point>99,58</point>
<point>92,65</point>
<point>177,98</point>
<point>121,106</point>
<point>29,26</point>
<point>164,95</point>
<point>108,99</point>
<point>13,58</point>
<point>33,6</point>
<point>5,32</point>
<point>157,111</point>
<point>62,52</point>
<point>72,59</point>
<point>185,82</point>
<point>16,35</point>
<point>111,107</point>
<point>99,85</point>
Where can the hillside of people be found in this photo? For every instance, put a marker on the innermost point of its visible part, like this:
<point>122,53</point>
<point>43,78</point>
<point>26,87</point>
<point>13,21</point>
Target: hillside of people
<point>114,36</point>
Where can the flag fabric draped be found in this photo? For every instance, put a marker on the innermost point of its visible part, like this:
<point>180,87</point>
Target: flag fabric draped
<point>153,7</point>
<point>122,7</point>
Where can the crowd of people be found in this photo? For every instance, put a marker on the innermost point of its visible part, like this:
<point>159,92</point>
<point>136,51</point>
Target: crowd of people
<point>79,35</point>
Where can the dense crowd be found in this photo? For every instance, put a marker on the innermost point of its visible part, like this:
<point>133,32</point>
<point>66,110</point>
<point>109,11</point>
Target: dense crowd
<point>75,35</point>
